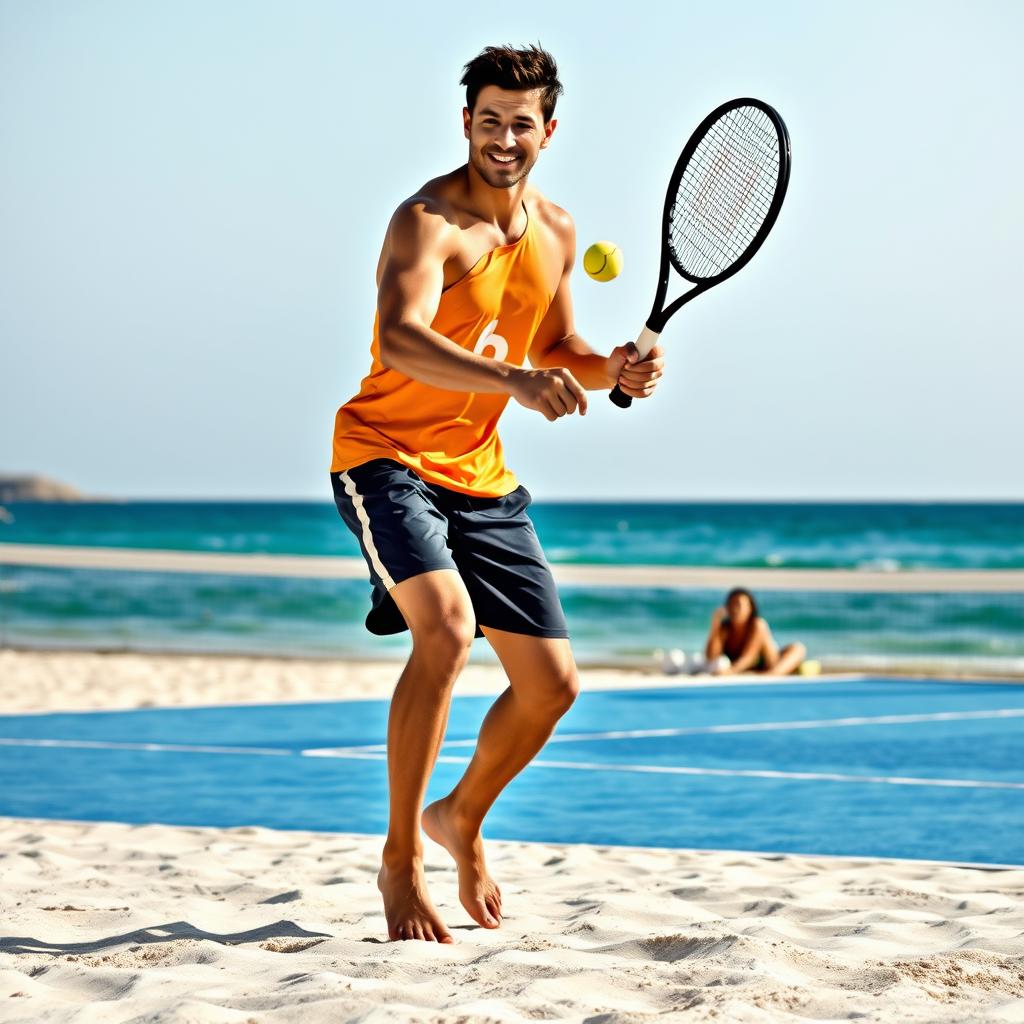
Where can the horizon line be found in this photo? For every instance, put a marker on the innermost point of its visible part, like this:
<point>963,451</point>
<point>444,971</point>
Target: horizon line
<point>646,500</point>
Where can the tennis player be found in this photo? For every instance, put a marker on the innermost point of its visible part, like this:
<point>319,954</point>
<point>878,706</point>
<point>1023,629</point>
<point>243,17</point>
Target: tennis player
<point>473,281</point>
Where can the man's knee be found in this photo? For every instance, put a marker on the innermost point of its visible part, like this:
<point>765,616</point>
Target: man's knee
<point>447,637</point>
<point>570,688</point>
<point>560,689</point>
<point>439,613</point>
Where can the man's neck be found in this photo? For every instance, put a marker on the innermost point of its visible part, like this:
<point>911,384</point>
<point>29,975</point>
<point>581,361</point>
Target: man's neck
<point>498,206</point>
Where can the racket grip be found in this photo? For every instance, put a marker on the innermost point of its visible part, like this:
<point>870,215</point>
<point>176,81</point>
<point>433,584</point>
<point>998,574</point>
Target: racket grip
<point>644,343</point>
<point>620,398</point>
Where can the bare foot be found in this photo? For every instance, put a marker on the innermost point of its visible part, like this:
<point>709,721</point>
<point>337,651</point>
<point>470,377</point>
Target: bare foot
<point>407,906</point>
<point>478,892</point>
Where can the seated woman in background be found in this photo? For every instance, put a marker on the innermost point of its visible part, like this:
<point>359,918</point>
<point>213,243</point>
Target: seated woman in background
<point>739,633</point>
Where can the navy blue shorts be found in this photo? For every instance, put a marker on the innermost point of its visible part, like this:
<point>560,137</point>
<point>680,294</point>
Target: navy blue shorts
<point>406,526</point>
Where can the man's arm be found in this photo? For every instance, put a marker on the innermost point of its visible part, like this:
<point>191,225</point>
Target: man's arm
<point>408,295</point>
<point>411,282</point>
<point>556,342</point>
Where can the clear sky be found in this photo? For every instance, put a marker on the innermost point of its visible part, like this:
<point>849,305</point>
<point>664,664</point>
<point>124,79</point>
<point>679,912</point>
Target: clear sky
<point>193,197</point>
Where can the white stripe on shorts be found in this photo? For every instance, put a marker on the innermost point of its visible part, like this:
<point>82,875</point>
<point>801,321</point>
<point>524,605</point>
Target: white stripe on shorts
<point>371,548</point>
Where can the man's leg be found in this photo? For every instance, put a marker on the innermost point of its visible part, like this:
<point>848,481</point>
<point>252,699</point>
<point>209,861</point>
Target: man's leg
<point>544,684</point>
<point>440,616</point>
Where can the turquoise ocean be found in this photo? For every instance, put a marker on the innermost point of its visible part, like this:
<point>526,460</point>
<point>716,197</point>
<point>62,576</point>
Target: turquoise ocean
<point>120,610</point>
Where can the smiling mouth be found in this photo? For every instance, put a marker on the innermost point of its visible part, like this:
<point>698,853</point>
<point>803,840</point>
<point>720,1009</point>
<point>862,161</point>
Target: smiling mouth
<point>504,160</point>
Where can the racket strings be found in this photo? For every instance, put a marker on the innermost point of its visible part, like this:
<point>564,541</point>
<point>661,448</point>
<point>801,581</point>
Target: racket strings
<point>725,197</point>
<point>725,192</point>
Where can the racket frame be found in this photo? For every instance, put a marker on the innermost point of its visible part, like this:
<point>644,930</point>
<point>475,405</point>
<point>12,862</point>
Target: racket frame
<point>660,314</point>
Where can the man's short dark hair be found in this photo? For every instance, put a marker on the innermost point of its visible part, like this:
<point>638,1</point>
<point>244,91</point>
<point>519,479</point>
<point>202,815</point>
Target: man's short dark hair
<point>508,68</point>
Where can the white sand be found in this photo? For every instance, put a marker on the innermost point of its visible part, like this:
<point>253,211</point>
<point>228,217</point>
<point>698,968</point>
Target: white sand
<point>156,924</point>
<point>80,680</point>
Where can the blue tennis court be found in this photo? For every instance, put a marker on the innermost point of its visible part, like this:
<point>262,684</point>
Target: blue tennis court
<point>872,767</point>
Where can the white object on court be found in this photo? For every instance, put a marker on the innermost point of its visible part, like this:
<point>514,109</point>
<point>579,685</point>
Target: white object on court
<point>673,662</point>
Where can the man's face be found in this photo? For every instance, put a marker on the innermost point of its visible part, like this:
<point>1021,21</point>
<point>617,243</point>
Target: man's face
<point>506,133</point>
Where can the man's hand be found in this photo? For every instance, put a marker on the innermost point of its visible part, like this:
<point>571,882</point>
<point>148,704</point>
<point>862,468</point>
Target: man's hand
<point>636,377</point>
<point>552,392</point>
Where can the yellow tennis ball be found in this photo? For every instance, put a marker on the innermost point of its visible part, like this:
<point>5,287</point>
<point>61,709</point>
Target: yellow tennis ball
<point>809,668</point>
<point>603,261</point>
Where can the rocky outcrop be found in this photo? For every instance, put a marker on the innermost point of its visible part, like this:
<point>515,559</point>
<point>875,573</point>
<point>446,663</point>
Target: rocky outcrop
<point>35,488</point>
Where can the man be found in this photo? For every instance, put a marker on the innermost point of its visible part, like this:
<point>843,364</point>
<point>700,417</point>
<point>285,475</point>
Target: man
<point>473,278</point>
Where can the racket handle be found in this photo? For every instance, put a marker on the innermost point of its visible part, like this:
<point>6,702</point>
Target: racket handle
<point>644,343</point>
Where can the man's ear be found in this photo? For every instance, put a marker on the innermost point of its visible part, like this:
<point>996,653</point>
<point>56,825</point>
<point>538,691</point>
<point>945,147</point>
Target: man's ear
<point>467,117</point>
<point>549,130</point>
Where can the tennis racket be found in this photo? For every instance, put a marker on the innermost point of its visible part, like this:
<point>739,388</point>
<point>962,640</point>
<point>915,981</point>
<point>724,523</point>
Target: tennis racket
<point>723,197</point>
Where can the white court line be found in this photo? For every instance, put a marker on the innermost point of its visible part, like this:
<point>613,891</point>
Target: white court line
<point>745,773</point>
<point>365,755</point>
<point>375,748</point>
<point>698,730</point>
<point>184,748</point>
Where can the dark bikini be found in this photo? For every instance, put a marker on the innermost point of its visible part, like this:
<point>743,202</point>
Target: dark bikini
<point>738,648</point>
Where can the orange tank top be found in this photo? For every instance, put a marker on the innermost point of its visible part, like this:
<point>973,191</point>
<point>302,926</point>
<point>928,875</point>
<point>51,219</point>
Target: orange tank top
<point>447,437</point>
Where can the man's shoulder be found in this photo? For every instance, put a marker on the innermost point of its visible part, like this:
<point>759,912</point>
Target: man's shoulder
<point>551,215</point>
<point>425,216</point>
<point>437,198</point>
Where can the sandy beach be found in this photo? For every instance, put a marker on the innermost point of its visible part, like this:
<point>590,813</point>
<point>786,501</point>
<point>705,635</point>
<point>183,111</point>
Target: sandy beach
<point>111,922</point>
<point>84,680</point>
